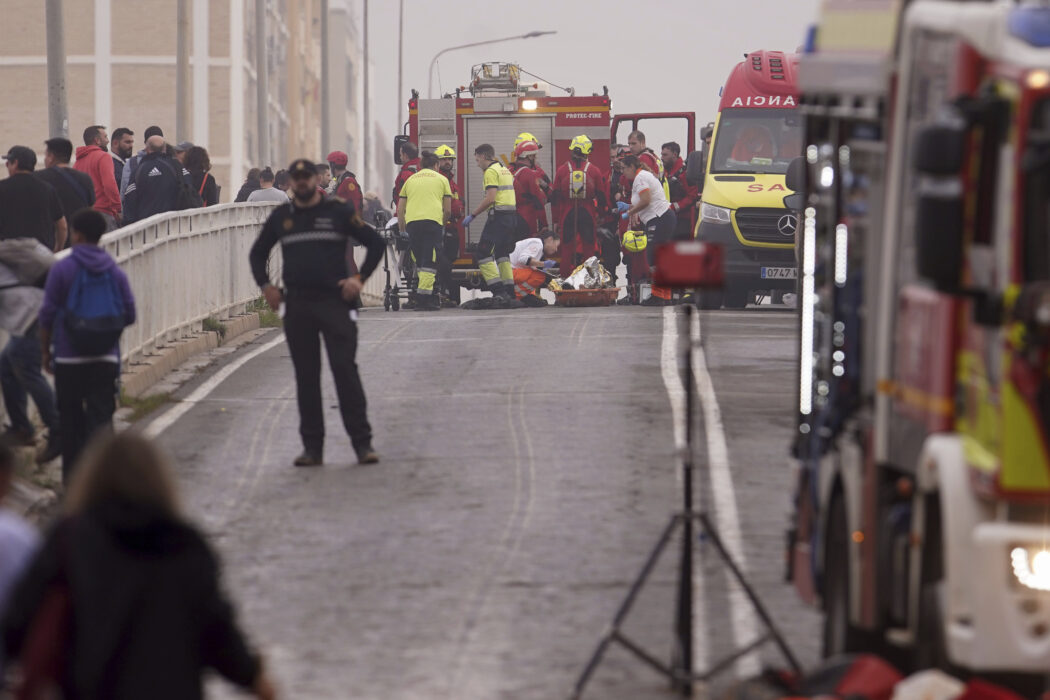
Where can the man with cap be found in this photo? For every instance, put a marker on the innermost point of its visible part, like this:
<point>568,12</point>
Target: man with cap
<point>344,183</point>
<point>180,150</point>
<point>448,252</point>
<point>321,299</point>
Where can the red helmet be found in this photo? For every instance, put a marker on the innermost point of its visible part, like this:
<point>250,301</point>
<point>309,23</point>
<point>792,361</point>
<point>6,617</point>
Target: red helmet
<point>337,158</point>
<point>527,148</point>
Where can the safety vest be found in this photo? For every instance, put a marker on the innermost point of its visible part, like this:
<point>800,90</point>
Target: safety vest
<point>578,181</point>
<point>505,200</point>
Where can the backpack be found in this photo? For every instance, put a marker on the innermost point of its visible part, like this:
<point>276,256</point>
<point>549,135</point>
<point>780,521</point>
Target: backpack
<point>94,312</point>
<point>186,197</point>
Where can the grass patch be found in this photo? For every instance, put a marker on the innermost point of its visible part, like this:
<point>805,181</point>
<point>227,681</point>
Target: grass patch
<point>213,324</point>
<point>140,408</point>
<point>270,319</point>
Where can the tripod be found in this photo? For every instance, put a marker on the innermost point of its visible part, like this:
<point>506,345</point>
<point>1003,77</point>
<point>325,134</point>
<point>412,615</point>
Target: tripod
<point>680,671</point>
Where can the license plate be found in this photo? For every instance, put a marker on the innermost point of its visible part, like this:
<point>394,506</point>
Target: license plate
<point>779,273</point>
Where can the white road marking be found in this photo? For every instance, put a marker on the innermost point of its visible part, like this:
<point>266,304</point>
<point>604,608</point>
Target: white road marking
<point>676,394</point>
<point>165,420</point>
<point>745,628</point>
<point>727,517</point>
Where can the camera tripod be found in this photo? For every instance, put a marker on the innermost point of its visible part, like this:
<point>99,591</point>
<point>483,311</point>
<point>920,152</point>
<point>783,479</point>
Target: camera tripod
<point>680,670</point>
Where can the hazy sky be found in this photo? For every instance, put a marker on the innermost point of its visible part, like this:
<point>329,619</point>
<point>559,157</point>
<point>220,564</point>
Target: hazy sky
<point>655,55</point>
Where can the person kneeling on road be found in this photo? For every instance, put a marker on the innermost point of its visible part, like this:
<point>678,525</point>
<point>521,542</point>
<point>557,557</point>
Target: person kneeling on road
<point>530,267</point>
<point>322,299</point>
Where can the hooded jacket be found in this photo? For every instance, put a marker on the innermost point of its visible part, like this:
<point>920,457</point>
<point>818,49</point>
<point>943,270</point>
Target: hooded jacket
<point>154,188</point>
<point>99,167</point>
<point>56,291</point>
<point>147,611</point>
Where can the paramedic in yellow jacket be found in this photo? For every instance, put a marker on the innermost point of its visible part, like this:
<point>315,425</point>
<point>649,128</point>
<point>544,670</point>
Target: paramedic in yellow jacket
<point>423,206</point>
<point>497,238</point>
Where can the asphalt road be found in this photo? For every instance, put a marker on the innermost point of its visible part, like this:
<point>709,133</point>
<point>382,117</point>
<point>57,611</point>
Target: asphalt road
<point>528,466</point>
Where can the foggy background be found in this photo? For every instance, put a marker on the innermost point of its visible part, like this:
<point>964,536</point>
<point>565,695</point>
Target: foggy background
<point>655,55</point>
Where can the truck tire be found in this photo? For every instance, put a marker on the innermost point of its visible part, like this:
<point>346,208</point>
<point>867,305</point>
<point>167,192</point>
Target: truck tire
<point>710,300</point>
<point>840,635</point>
<point>736,297</point>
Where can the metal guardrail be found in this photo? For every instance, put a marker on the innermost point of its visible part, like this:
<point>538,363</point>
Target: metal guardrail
<point>190,265</point>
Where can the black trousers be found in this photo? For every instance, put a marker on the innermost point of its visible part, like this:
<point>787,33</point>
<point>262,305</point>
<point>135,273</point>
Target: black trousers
<point>87,398</point>
<point>306,320</point>
<point>659,230</point>
<point>498,237</point>
<point>424,237</point>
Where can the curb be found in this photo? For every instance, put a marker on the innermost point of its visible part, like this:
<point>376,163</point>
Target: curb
<point>137,379</point>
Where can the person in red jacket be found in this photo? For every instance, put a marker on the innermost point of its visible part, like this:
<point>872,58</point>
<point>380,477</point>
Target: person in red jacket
<point>345,185</point>
<point>578,194</point>
<point>531,199</point>
<point>93,158</point>
<point>409,166</point>
<point>542,178</point>
<point>683,195</point>
<point>449,249</point>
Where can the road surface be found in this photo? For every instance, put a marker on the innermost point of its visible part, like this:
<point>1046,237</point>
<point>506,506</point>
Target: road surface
<point>529,464</point>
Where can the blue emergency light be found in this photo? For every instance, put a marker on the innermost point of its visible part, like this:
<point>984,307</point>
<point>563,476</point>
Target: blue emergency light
<point>1031,25</point>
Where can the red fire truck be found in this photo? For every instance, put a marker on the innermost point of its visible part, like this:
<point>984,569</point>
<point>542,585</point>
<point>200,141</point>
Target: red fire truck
<point>923,507</point>
<point>500,103</point>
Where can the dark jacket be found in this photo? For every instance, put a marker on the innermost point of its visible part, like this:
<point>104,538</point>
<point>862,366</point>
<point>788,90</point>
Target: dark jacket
<point>247,188</point>
<point>148,615</point>
<point>155,188</point>
<point>204,184</point>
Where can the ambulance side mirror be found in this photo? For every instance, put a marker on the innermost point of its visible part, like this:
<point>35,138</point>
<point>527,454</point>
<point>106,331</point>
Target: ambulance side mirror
<point>795,180</point>
<point>689,265</point>
<point>694,169</point>
<point>399,140</point>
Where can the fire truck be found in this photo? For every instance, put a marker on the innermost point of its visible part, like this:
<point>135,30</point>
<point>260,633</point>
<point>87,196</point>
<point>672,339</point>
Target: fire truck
<point>501,102</point>
<point>756,135</point>
<point>922,514</point>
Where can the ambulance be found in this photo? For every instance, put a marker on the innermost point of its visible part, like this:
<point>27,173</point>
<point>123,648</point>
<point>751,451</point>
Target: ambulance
<point>756,135</point>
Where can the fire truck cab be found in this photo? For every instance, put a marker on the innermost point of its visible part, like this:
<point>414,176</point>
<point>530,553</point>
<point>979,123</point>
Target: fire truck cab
<point>923,505</point>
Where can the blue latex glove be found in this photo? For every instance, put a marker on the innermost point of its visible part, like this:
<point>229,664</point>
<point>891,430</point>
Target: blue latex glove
<point>624,215</point>
<point>548,264</point>
<point>622,206</point>
<point>467,219</point>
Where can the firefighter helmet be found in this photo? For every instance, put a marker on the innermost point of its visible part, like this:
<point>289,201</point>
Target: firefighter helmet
<point>444,151</point>
<point>526,136</point>
<point>527,148</point>
<point>635,241</point>
<point>582,144</point>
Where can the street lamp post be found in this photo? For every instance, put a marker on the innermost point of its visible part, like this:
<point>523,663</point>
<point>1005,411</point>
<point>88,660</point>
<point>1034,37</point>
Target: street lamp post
<point>430,78</point>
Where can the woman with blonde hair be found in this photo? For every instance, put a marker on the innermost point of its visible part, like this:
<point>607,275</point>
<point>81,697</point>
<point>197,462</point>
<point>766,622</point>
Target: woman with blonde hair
<point>143,615</point>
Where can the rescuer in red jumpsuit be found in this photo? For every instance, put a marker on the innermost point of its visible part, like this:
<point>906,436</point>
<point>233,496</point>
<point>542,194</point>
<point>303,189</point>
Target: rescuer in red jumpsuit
<point>409,167</point>
<point>683,195</point>
<point>542,178</point>
<point>531,199</point>
<point>578,195</point>
<point>345,184</point>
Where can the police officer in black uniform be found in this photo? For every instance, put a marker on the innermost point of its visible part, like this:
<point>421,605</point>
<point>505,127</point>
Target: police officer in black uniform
<point>321,298</point>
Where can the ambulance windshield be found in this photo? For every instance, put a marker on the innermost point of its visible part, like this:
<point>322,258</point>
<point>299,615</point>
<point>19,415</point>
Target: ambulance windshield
<point>757,141</point>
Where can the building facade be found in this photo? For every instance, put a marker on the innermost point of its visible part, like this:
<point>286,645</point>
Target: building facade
<point>120,71</point>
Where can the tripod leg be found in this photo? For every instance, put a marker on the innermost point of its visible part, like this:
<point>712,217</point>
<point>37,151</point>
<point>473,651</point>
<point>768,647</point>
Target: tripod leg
<point>756,602</point>
<point>613,632</point>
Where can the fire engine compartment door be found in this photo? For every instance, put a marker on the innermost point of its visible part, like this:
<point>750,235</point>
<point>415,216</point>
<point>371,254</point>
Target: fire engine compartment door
<point>500,131</point>
<point>673,126</point>
<point>437,124</point>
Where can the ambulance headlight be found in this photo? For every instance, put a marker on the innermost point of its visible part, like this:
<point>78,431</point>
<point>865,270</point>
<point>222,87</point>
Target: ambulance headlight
<point>714,215</point>
<point>529,105</point>
<point>1031,567</point>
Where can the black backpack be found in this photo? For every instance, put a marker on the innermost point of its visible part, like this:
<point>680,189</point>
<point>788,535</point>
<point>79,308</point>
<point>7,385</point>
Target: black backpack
<point>186,197</point>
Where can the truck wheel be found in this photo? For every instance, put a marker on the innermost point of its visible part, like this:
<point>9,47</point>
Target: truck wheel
<point>840,635</point>
<point>709,300</point>
<point>737,297</point>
